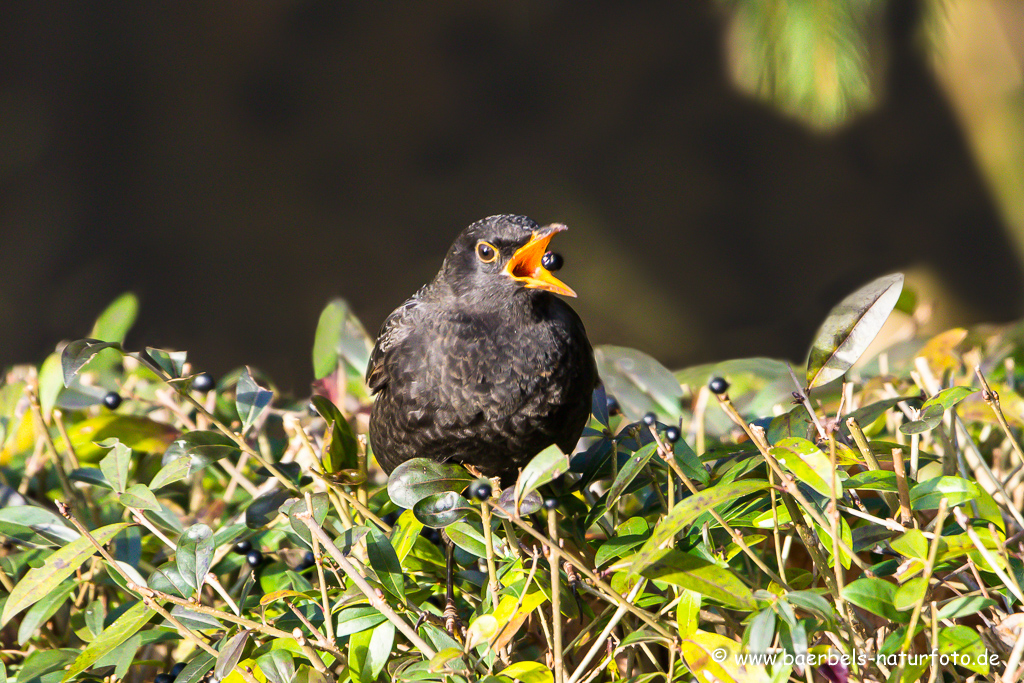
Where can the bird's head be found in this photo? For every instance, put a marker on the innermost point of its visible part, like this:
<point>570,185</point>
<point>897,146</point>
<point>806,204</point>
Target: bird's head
<point>499,256</point>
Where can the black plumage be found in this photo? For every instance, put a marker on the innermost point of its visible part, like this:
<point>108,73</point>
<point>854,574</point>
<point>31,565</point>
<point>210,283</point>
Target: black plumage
<point>485,365</point>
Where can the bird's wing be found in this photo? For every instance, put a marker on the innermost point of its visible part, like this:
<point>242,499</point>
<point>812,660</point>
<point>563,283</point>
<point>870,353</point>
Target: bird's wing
<point>394,329</point>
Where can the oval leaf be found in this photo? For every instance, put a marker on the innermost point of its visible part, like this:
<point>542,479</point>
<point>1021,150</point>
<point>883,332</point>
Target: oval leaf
<point>195,554</point>
<point>251,400</point>
<point>546,466</point>
<point>418,478</point>
<point>441,509</point>
<point>639,383</point>
<point>850,327</point>
<point>277,665</point>
<point>76,354</point>
<point>385,563</point>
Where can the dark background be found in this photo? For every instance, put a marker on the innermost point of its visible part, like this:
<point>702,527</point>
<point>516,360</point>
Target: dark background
<point>238,164</point>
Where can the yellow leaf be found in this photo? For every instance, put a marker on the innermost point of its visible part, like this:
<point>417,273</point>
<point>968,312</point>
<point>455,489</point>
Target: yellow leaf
<point>713,657</point>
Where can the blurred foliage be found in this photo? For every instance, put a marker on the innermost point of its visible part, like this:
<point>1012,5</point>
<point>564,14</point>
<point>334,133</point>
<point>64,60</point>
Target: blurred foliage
<point>842,523</point>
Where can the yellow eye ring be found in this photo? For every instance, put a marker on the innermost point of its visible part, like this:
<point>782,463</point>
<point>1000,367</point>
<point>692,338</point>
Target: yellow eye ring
<point>486,252</point>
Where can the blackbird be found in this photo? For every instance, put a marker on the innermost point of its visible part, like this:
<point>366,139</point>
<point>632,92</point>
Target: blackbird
<point>484,366</point>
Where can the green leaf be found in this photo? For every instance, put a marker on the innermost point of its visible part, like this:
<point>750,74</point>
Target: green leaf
<point>42,662</point>
<point>701,576</point>
<point>265,508</point>
<point>38,582</point>
<point>543,468</point>
<point>911,544</point>
<point>639,383</point>
<point>528,672</point>
<point>369,651</point>
<point>385,563</point>
<point>195,554</point>
<point>967,645</point>
<point>171,362</point>
<point>418,478</point>
<point>928,494</point>
<point>876,596</point>
<point>139,496</point>
<point>630,534</point>
<point>176,470</point>
<point>251,400</point>
<point>202,448</point>
<point>115,465</point>
<point>965,606</point>
<point>277,665</point>
<point>126,625</point>
<point>441,509</point>
<point>849,328</point>
<point>468,537</point>
<point>196,668</point>
<point>197,621</point>
<point>340,449</point>
<point>43,610</point>
<point>528,504</point>
<point>688,612</point>
<point>807,463</point>
<point>114,322</point>
<point>230,653</point>
<point>947,398</point>
<point>49,529</point>
<point>404,534</point>
<point>321,506</point>
<point>356,619</point>
<point>813,603</point>
<point>76,354</point>
<point>688,510</point>
<point>908,594</point>
<point>636,463</point>
<point>339,335</point>
<point>761,631</point>
<point>928,419</point>
<point>872,480</point>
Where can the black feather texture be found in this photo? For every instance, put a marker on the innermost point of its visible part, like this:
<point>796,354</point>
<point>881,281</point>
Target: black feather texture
<point>477,368</point>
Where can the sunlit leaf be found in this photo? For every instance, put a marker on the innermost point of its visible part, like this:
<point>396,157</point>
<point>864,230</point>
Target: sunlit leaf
<point>76,354</point>
<point>543,468</point>
<point>639,383</point>
<point>850,327</point>
<point>277,665</point>
<point>339,335</point>
<point>807,463</point>
<point>230,653</point>
<point>195,554</point>
<point>701,576</point>
<point>438,510</point>
<point>137,616</point>
<point>876,596</point>
<point>251,400</point>
<point>418,478</point>
<point>40,612</point>
<point>928,495</point>
<point>686,511</point>
<point>38,582</point>
<point>116,319</point>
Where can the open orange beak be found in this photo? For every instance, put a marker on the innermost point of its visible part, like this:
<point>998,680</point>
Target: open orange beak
<point>525,265</point>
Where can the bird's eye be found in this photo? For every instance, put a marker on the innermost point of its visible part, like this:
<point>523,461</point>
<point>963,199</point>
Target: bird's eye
<point>486,252</point>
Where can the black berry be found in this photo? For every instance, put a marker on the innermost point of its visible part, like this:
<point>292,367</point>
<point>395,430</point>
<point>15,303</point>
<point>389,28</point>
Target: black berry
<point>552,261</point>
<point>613,406</point>
<point>718,385</point>
<point>308,561</point>
<point>243,547</point>
<point>203,382</point>
<point>177,669</point>
<point>551,503</point>
<point>480,489</point>
<point>672,434</point>
<point>649,419</point>
<point>112,400</point>
<point>163,678</point>
<point>254,558</point>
